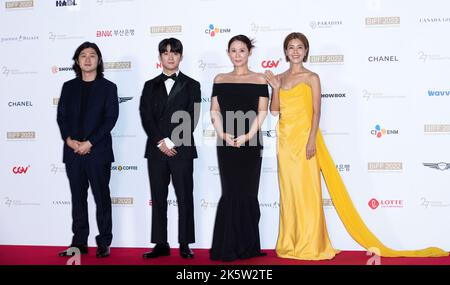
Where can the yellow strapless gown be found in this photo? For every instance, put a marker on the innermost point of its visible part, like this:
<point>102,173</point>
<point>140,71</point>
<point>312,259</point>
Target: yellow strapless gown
<point>302,230</point>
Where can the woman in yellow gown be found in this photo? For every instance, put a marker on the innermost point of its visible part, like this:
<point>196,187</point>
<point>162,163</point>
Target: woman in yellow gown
<point>302,156</point>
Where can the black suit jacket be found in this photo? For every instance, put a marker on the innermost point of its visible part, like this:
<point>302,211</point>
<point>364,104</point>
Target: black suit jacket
<point>101,115</point>
<point>156,109</point>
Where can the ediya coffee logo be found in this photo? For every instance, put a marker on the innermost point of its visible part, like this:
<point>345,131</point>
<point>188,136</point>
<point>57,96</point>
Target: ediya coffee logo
<point>383,58</point>
<point>124,99</point>
<point>20,38</point>
<point>20,104</point>
<point>325,24</point>
<point>374,203</point>
<point>379,132</point>
<point>64,3</point>
<point>270,63</point>
<point>20,169</point>
<point>166,29</point>
<point>114,33</point>
<point>124,168</point>
<point>213,30</point>
<point>20,135</point>
<point>438,93</point>
<point>382,21</point>
<point>55,69</point>
<point>439,165</point>
<point>19,4</point>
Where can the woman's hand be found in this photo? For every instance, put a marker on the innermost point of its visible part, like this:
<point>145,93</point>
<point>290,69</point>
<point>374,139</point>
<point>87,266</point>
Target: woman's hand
<point>229,139</point>
<point>310,149</point>
<point>273,80</point>
<point>240,140</point>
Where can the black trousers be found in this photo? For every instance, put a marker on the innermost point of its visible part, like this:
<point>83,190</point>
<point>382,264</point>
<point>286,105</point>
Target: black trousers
<point>82,173</point>
<point>181,171</point>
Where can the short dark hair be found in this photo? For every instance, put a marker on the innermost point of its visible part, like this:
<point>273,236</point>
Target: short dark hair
<point>298,36</point>
<point>76,66</point>
<point>242,38</point>
<point>175,46</point>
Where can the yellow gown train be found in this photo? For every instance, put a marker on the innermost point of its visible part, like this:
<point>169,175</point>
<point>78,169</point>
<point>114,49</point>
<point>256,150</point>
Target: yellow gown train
<point>302,230</point>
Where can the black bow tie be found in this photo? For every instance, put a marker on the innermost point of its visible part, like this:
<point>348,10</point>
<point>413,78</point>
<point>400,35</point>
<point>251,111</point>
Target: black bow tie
<point>173,76</point>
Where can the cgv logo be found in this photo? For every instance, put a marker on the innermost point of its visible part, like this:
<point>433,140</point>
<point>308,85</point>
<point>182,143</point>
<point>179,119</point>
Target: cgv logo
<point>20,169</point>
<point>270,63</point>
<point>103,34</point>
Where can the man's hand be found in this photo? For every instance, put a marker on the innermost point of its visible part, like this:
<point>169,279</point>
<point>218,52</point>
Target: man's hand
<point>84,148</point>
<point>164,149</point>
<point>73,144</point>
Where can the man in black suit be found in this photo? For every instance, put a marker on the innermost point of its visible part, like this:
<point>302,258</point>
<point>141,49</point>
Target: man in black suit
<point>87,112</point>
<point>169,108</point>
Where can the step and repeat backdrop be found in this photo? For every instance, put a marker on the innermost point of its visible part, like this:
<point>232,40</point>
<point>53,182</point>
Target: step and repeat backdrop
<point>385,110</point>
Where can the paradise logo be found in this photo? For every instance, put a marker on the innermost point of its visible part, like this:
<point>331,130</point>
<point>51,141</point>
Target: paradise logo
<point>213,31</point>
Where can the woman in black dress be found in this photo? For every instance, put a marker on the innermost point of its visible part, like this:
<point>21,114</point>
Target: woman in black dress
<point>238,108</point>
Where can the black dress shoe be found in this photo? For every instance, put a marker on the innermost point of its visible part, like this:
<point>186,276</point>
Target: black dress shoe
<point>83,249</point>
<point>185,251</point>
<point>160,249</point>
<point>103,251</point>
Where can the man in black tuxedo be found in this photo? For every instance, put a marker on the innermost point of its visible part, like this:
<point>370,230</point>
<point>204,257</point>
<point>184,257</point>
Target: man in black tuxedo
<point>87,112</point>
<point>169,109</point>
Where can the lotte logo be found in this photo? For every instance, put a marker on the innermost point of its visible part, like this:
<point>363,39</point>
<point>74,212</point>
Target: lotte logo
<point>270,63</point>
<point>20,169</point>
<point>373,203</point>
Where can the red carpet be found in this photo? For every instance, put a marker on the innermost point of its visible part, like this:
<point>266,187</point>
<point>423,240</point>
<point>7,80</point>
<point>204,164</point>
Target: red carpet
<point>47,255</point>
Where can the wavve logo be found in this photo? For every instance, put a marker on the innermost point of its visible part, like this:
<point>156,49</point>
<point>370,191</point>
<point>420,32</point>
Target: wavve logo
<point>438,93</point>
